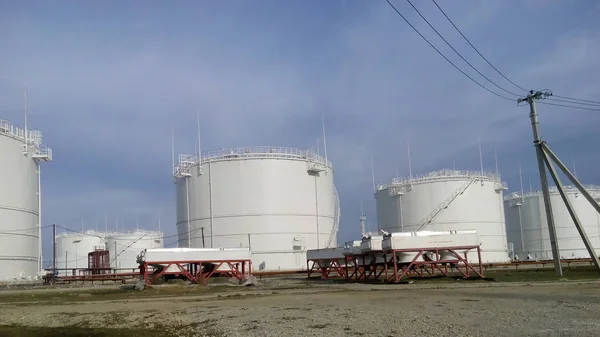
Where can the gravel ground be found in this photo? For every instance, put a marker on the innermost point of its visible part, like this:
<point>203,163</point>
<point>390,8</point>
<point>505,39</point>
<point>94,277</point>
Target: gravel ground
<point>291,308</point>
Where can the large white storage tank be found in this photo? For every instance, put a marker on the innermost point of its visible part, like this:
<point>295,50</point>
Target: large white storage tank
<point>21,152</point>
<point>527,226</point>
<point>125,247</point>
<point>447,200</point>
<point>72,249</point>
<point>280,202</point>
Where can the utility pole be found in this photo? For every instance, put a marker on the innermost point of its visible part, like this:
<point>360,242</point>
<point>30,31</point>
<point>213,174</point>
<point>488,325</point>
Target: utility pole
<point>545,157</point>
<point>537,142</point>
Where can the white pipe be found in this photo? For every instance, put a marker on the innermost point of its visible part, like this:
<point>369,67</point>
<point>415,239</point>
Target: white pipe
<point>173,151</point>
<point>26,128</point>
<point>324,141</point>
<point>40,216</point>
<point>373,175</point>
<point>210,201</point>
<point>480,157</point>
<point>317,212</point>
<point>409,159</point>
<point>496,159</point>
<point>199,147</point>
<point>401,214</point>
<point>187,202</point>
<point>521,228</point>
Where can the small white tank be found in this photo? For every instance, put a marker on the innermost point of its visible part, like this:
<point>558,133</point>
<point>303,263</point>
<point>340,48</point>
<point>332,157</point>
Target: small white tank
<point>125,247</point>
<point>72,249</point>
<point>527,225</point>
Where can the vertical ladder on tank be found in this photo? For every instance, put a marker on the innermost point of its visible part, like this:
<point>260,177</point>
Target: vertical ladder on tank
<point>429,218</point>
<point>336,218</point>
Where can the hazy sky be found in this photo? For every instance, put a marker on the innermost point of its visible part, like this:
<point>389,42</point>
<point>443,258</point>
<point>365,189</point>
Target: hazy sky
<point>108,80</point>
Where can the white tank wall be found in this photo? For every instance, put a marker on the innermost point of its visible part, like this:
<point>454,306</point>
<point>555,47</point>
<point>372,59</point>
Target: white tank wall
<point>536,239</point>
<point>125,247</point>
<point>72,249</point>
<point>479,208</point>
<point>19,204</point>
<point>265,203</point>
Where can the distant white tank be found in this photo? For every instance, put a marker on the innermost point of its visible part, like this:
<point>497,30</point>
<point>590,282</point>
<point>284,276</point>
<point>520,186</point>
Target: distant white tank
<point>447,200</point>
<point>21,152</point>
<point>527,226</point>
<point>125,247</point>
<point>72,249</point>
<point>280,202</point>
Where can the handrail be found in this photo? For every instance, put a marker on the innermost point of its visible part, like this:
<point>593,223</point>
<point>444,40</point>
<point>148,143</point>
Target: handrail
<point>593,189</point>
<point>441,175</point>
<point>186,161</point>
<point>34,137</point>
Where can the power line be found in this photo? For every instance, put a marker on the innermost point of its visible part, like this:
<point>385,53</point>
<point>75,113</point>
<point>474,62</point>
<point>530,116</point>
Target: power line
<point>444,56</point>
<point>469,42</point>
<point>570,102</point>
<point>456,51</point>
<point>577,99</point>
<point>570,106</point>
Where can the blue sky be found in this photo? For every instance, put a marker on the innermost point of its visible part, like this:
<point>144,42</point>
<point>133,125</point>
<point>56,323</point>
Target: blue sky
<point>108,80</point>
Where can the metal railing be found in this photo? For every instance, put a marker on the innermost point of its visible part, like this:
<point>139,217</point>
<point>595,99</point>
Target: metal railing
<point>33,136</point>
<point>441,175</point>
<point>185,162</point>
<point>594,190</point>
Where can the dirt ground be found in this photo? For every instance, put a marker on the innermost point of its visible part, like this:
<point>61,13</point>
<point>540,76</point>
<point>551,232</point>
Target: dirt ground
<point>297,307</point>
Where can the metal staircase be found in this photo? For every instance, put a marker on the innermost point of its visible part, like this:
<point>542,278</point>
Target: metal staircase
<point>429,218</point>
<point>336,218</point>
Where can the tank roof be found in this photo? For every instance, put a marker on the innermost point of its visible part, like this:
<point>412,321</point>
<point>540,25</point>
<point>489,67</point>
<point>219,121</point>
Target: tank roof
<point>136,232</point>
<point>440,175</point>
<point>85,233</point>
<point>185,162</point>
<point>593,189</point>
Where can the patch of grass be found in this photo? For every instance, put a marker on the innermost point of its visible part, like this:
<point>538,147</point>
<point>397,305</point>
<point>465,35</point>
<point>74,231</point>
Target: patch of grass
<point>207,328</point>
<point>67,295</point>
<point>71,331</point>
<point>319,326</point>
<point>546,274</point>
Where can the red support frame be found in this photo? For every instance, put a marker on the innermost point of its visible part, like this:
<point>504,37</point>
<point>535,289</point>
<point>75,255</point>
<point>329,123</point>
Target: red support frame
<point>327,267</point>
<point>395,271</point>
<point>194,270</point>
<point>365,266</point>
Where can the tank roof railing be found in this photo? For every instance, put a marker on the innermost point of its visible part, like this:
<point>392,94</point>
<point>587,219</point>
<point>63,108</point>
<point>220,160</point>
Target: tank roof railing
<point>134,232</point>
<point>593,189</point>
<point>103,234</point>
<point>440,175</point>
<point>185,161</point>
<point>34,137</point>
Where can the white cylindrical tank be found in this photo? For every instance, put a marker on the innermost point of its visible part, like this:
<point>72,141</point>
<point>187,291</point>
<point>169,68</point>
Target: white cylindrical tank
<point>280,202</point>
<point>21,153</point>
<point>72,249</point>
<point>527,226</point>
<point>447,200</point>
<point>125,247</point>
